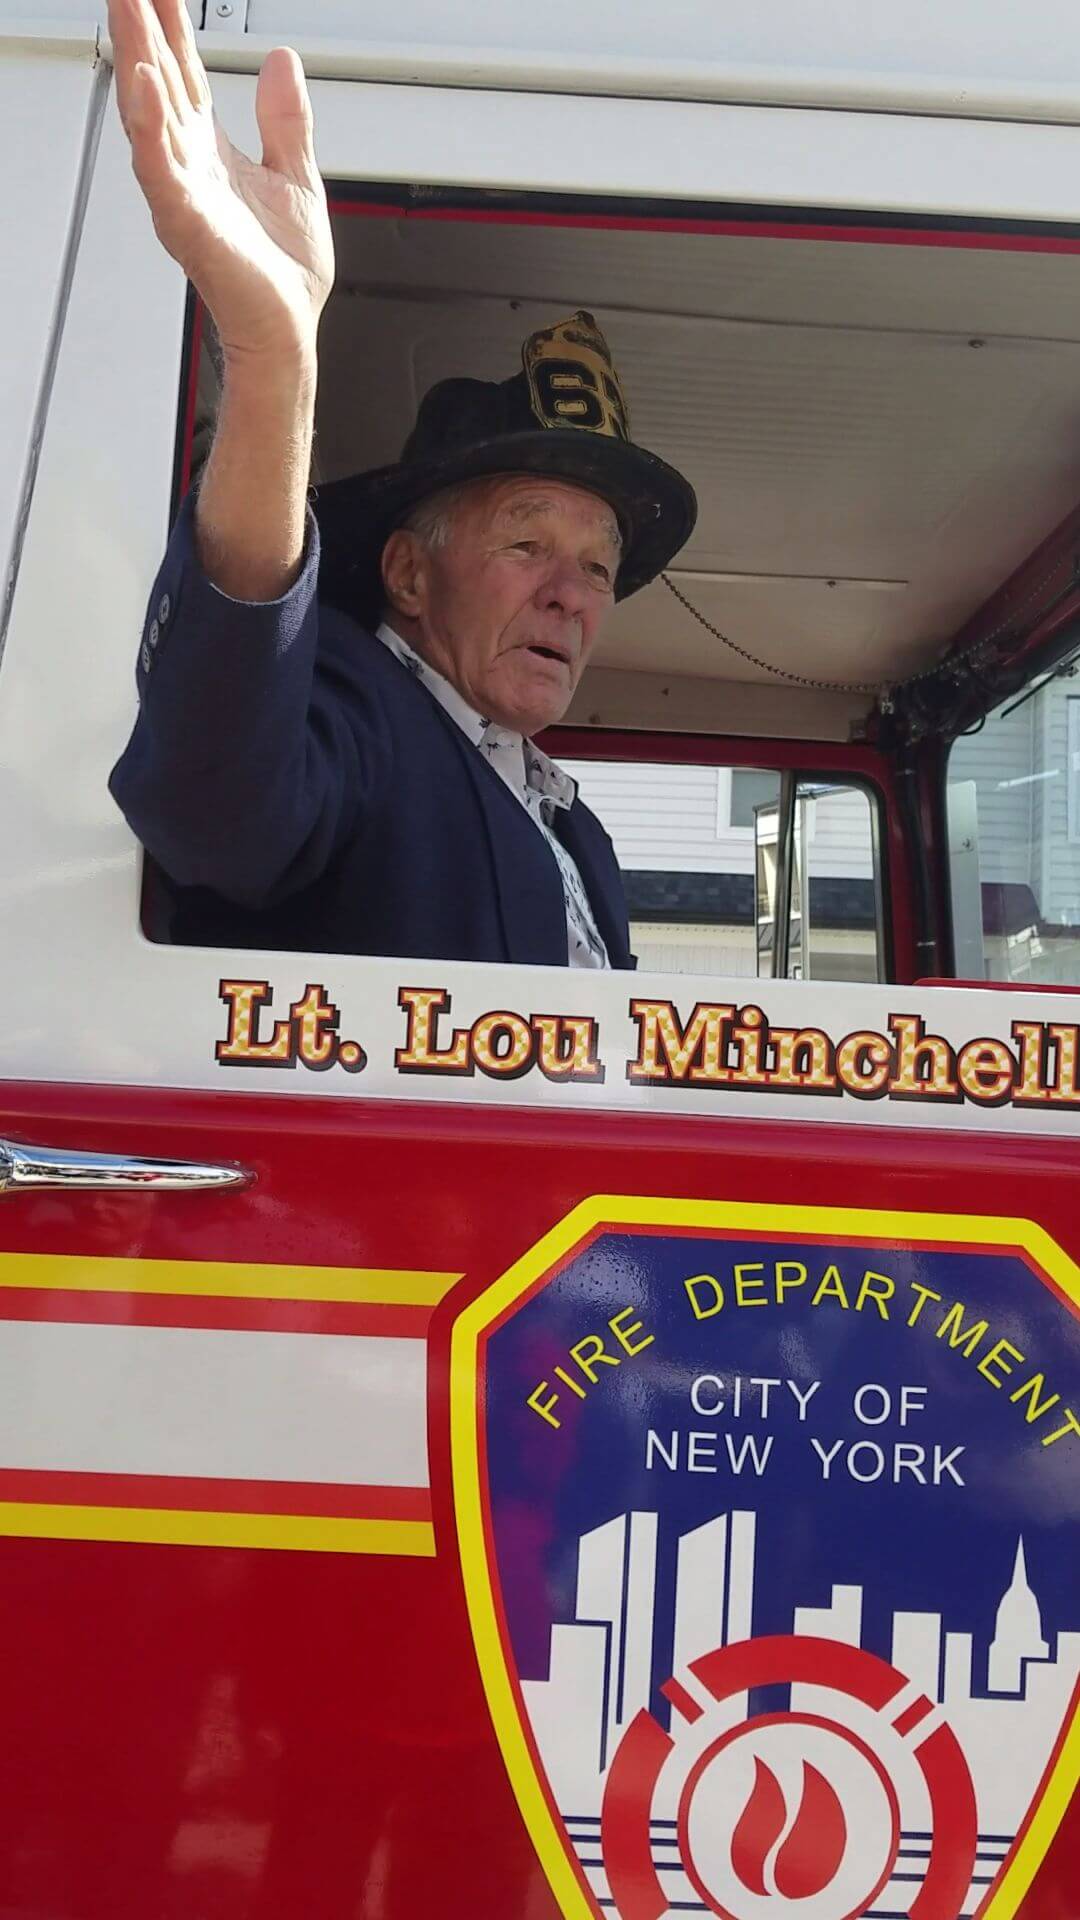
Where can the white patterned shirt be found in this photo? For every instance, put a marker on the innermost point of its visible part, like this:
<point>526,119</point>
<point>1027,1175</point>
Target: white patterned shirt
<point>532,778</point>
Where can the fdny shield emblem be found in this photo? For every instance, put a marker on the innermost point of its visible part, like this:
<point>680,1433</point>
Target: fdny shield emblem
<point>768,1525</point>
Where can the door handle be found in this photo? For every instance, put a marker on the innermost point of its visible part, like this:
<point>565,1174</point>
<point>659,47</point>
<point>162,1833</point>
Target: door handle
<point>26,1169</point>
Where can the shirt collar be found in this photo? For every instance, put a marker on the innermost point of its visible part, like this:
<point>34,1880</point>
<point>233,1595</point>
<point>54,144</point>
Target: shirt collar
<point>437,684</point>
<point>541,774</point>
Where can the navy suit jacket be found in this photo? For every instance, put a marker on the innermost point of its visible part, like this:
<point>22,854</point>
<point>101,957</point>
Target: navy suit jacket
<point>302,790</point>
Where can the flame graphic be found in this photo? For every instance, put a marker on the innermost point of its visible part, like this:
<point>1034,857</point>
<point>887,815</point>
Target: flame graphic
<point>814,1845</point>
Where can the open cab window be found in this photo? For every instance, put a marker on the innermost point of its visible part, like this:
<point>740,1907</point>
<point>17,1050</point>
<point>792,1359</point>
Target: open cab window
<point>840,403</point>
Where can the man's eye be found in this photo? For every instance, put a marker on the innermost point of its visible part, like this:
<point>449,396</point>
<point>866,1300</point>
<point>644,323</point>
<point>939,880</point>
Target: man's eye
<point>601,573</point>
<point>526,546</point>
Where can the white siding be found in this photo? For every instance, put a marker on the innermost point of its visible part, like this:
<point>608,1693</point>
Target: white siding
<point>663,819</point>
<point>673,819</point>
<point>727,952</point>
<point>840,840</point>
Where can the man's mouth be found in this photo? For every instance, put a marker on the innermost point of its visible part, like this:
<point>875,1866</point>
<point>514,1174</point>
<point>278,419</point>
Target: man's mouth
<point>562,655</point>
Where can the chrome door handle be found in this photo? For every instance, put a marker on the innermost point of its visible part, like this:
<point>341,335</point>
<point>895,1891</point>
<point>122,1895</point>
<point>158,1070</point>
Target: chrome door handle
<point>24,1169</point>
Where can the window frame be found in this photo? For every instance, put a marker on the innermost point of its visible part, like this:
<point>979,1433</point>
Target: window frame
<point>856,764</point>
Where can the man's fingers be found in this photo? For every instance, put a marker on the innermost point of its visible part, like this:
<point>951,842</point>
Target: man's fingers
<point>129,31</point>
<point>153,149</point>
<point>283,110</point>
<point>139,41</point>
<point>176,25</point>
<point>172,78</point>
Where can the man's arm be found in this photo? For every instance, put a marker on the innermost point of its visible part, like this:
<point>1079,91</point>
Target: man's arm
<point>244,768</point>
<point>261,740</point>
<point>250,512</point>
<point>255,241</point>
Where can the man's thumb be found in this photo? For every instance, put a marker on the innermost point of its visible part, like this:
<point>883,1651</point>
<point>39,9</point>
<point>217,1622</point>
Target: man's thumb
<point>283,110</point>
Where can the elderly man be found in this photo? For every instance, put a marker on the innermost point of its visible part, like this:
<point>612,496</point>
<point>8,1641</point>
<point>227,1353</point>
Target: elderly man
<point>338,756</point>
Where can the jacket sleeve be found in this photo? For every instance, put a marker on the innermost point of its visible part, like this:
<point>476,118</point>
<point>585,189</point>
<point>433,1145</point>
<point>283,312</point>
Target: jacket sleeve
<point>257,746</point>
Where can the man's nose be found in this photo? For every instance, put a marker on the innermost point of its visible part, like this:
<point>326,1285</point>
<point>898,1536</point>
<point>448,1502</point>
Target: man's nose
<point>564,589</point>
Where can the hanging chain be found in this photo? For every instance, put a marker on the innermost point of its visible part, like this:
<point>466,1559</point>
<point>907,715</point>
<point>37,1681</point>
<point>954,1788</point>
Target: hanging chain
<point>886,690</point>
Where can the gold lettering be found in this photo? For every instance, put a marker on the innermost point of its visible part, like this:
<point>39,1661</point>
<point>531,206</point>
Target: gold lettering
<point>925,1294</point>
<point>568,1046</point>
<point>863,1063</point>
<point>830,1287</point>
<point>668,1051</point>
<point>625,1335</point>
<point>802,1059</point>
<point>876,1287</point>
<point>704,1280</point>
<point>987,1071</point>
<point>544,1407</point>
<point>241,1045</point>
<point>746,1283</point>
<point>959,1335</point>
<point>502,1045</point>
<point>997,1358</point>
<point>1030,1391</point>
<point>421,1054</point>
<point>925,1064</point>
<point>594,1357</point>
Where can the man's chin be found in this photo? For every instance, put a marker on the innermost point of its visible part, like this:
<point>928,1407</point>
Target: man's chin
<point>535,717</point>
<point>529,710</point>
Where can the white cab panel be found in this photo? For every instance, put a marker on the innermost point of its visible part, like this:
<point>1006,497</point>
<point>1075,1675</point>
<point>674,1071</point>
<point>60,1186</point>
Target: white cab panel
<point>47,100</point>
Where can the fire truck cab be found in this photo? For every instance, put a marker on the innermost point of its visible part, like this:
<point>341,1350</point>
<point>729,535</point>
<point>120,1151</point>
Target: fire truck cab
<point>534,1442</point>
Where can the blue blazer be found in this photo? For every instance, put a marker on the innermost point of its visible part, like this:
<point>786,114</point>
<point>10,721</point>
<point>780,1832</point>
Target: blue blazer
<point>301,790</point>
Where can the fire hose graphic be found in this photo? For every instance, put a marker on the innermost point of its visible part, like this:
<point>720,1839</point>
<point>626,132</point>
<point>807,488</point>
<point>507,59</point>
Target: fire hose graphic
<point>789,1813</point>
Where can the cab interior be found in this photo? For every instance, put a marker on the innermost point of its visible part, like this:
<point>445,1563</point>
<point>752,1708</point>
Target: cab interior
<point>882,424</point>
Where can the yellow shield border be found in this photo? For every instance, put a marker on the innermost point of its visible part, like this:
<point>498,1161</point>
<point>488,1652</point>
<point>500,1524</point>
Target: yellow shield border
<point>470,1494</point>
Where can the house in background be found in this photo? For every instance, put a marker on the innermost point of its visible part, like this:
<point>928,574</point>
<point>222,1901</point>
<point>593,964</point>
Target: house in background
<point>685,840</point>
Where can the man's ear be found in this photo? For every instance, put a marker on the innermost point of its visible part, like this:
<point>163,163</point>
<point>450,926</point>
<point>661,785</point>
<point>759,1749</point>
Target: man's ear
<point>400,572</point>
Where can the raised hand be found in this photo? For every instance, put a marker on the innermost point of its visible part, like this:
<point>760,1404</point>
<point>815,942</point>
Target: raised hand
<point>253,238</point>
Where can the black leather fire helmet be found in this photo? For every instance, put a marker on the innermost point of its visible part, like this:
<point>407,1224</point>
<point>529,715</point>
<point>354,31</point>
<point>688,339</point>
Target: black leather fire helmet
<point>563,416</point>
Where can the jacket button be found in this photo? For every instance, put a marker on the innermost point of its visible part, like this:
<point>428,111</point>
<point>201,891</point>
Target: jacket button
<point>165,609</point>
<point>154,634</point>
<point>144,659</point>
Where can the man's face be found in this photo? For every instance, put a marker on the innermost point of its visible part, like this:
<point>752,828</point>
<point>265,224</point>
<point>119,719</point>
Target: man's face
<point>509,608</point>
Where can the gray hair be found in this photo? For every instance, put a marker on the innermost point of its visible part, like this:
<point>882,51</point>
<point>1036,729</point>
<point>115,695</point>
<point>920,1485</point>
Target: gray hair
<point>432,519</point>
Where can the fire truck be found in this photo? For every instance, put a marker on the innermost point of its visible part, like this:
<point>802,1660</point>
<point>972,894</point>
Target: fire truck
<point>529,1442</point>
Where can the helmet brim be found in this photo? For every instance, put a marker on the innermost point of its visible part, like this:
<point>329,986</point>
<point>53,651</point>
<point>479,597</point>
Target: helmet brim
<point>655,507</point>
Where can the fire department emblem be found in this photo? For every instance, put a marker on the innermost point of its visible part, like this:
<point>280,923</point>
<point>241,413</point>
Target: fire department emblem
<point>768,1550</point>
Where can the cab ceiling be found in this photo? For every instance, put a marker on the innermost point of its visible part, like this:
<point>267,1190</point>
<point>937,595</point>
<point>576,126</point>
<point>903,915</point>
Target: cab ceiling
<point>878,433</point>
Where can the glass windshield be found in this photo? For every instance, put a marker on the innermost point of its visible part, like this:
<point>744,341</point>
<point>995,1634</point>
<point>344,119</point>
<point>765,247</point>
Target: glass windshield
<point>1014,839</point>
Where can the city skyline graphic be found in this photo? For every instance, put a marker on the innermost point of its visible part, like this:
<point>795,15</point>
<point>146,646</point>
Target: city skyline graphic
<point>1005,1699</point>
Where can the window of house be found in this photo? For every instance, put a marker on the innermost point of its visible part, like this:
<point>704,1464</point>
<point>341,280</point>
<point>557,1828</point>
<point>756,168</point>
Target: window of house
<point>745,789</point>
<point>1014,838</point>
